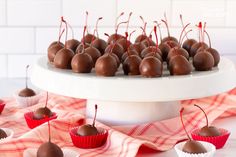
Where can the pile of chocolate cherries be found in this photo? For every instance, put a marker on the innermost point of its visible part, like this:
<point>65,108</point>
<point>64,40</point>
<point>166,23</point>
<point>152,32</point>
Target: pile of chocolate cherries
<point>144,57</point>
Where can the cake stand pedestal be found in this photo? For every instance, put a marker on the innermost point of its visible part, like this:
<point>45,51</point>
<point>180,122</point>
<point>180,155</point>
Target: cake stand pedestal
<point>134,99</point>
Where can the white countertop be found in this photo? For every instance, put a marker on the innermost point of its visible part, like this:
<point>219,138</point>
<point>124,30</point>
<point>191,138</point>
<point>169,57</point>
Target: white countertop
<point>8,86</point>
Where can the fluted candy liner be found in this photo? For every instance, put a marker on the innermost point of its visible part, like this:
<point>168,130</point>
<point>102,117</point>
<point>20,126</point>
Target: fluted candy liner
<point>2,105</point>
<point>10,134</point>
<point>32,123</point>
<point>209,147</point>
<point>218,141</point>
<point>87,142</point>
<point>26,101</point>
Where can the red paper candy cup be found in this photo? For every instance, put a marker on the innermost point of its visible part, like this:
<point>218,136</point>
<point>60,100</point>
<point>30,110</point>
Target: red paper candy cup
<point>218,141</point>
<point>32,123</point>
<point>2,105</point>
<point>87,142</point>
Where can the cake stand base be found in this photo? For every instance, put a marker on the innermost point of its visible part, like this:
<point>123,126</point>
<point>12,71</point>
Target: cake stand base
<point>131,113</point>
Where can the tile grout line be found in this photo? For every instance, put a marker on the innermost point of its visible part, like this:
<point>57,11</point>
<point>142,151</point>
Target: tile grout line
<point>6,12</point>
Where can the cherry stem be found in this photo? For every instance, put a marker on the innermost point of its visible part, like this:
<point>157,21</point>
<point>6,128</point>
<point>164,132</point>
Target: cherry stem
<point>127,26</point>
<point>118,25</point>
<point>46,104</point>
<point>86,20</point>
<point>158,25</point>
<point>155,31</point>
<point>96,27</point>
<point>26,76</point>
<point>49,132</point>
<point>208,36</point>
<point>126,40</point>
<point>59,36</point>
<point>203,112</point>
<point>185,35</point>
<point>203,34</point>
<point>181,34</point>
<point>131,34</point>
<point>149,38</point>
<point>144,25</point>
<point>117,18</point>
<point>85,27</point>
<point>96,108</point>
<point>66,31</point>
<point>182,23</point>
<point>167,27</point>
<point>107,35</point>
<point>181,117</point>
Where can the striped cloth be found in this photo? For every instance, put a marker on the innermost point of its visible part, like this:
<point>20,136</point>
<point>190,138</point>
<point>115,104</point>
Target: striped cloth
<point>122,141</point>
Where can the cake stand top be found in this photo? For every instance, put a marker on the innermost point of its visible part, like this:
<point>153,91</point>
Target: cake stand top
<point>134,88</point>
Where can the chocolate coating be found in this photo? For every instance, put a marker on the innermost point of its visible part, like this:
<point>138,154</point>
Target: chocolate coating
<point>148,42</point>
<point>177,51</point>
<point>194,147</point>
<point>118,50</point>
<point>209,131</point>
<point>125,55</point>
<point>113,38</point>
<point>131,65</point>
<point>196,46</point>
<point>106,65</point>
<point>100,44</point>
<point>55,42</point>
<point>87,130</point>
<point>72,44</point>
<point>52,50</point>
<point>2,133</point>
<point>165,48</point>
<point>215,55</point>
<point>137,47</point>
<point>188,44</point>
<point>93,52</point>
<point>140,38</point>
<point>88,38</point>
<point>116,58</point>
<point>151,67</point>
<point>63,58</point>
<point>169,38</point>
<point>82,63</point>
<point>149,50</point>
<point>123,43</point>
<point>203,61</point>
<point>154,54</point>
<point>27,92</point>
<point>179,65</point>
<point>80,48</point>
<point>42,112</point>
<point>49,149</point>
<point>172,44</point>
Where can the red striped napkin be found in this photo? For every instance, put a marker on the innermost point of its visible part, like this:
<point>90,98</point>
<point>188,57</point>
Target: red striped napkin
<point>122,140</point>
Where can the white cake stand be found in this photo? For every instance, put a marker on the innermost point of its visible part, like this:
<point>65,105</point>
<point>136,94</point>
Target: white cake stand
<point>134,99</point>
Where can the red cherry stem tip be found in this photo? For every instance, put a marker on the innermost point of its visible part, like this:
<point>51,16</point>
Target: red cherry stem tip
<point>182,23</point>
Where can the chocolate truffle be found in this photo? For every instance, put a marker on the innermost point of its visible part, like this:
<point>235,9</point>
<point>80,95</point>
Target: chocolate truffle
<point>27,92</point>
<point>100,44</point>
<point>116,48</point>
<point>72,44</point>
<point>52,50</point>
<point>177,51</point>
<point>179,65</point>
<point>88,38</point>
<point>215,55</point>
<point>131,65</point>
<point>149,50</point>
<point>93,52</point>
<point>151,67</point>
<point>203,61</point>
<point>125,44</point>
<point>138,47</point>
<point>165,48</point>
<point>194,147</point>
<point>49,149</point>
<point>2,134</point>
<point>196,46</point>
<point>106,65</point>
<point>63,58</point>
<point>82,46</point>
<point>208,131</point>
<point>125,55</point>
<point>188,44</point>
<point>82,63</point>
<point>42,112</point>
<point>87,129</point>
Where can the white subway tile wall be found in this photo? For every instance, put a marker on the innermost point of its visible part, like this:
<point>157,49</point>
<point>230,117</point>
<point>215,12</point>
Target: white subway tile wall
<point>27,27</point>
